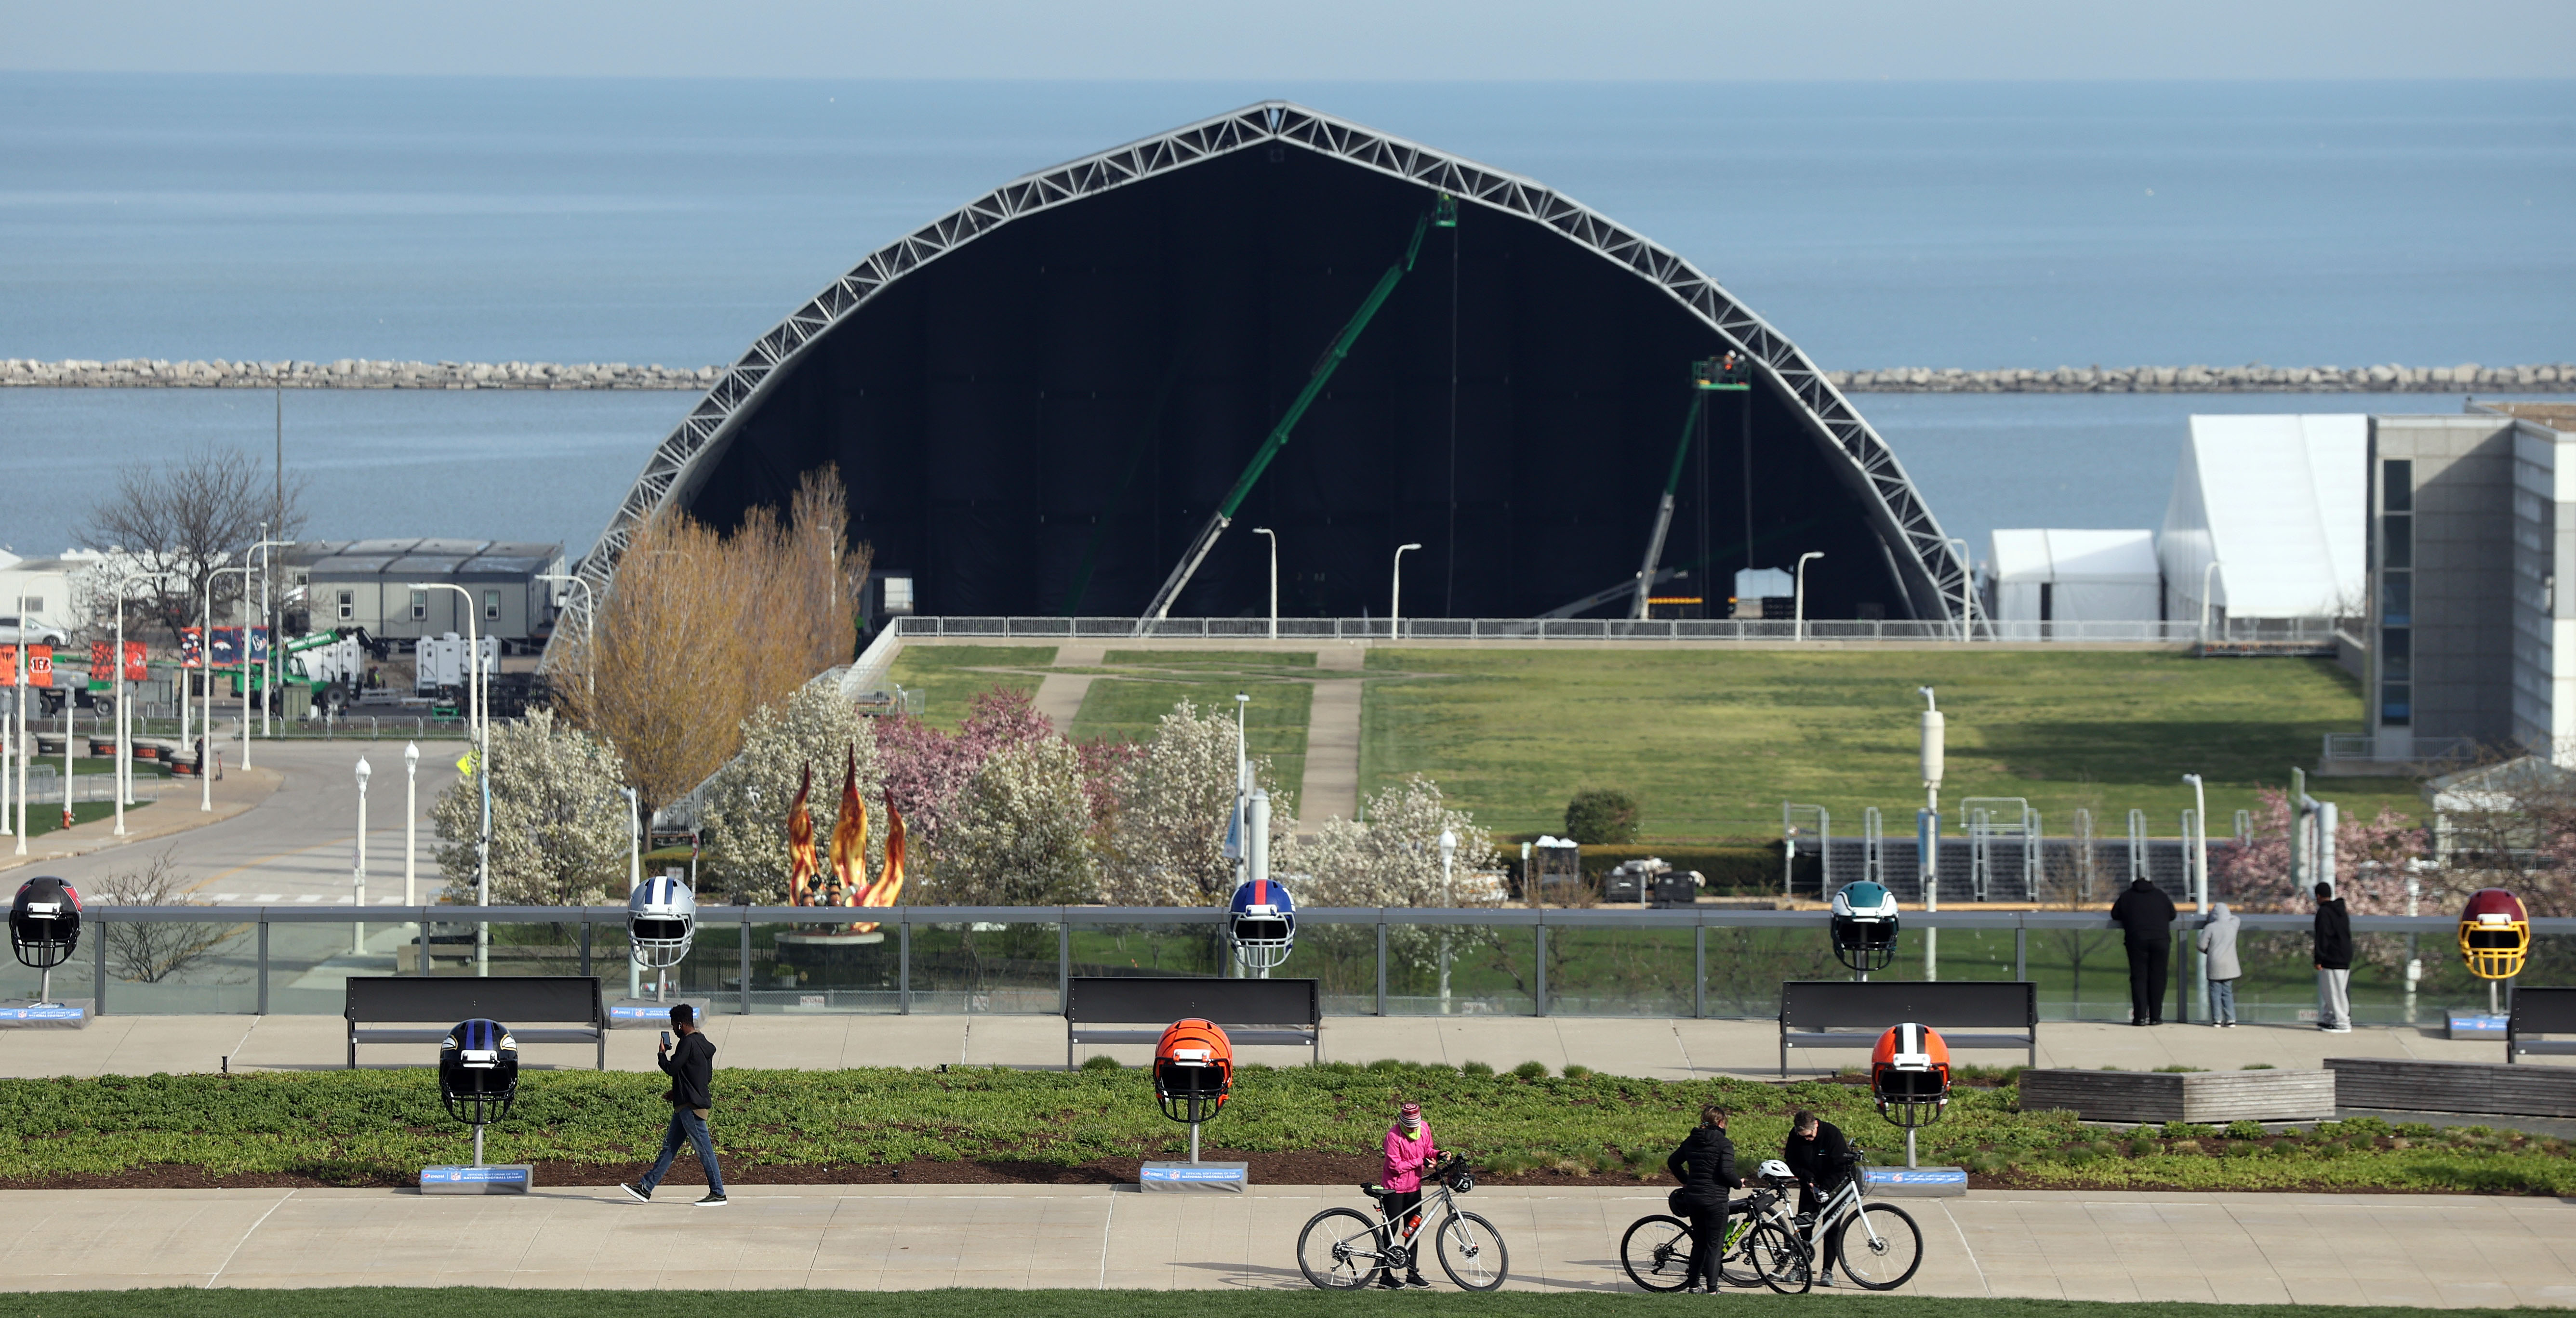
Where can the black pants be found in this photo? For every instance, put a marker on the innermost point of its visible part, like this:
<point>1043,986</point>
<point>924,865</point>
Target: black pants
<point>1708,1239</point>
<point>1811,1202</point>
<point>1399,1206</point>
<point>2147,965</point>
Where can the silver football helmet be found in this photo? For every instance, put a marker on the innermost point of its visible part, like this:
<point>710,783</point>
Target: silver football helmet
<point>661,920</point>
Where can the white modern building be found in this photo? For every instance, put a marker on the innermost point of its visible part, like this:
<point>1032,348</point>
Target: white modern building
<point>2278,504</point>
<point>2055,576</point>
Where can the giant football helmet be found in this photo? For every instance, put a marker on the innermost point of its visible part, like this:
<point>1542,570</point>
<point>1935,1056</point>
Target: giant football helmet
<point>1909,1075</point>
<point>1262,924</point>
<point>661,919</point>
<point>1864,926</point>
<point>2495,934</point>
<point>1193,1070</point>
<point>478,1071</point>
<point>44,923</point>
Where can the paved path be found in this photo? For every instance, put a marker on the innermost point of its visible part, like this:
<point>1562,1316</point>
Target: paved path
<point>1331,787</point>
<point>1059,695</point>
<point>1665,1049</point>
<point>2423,1250</point>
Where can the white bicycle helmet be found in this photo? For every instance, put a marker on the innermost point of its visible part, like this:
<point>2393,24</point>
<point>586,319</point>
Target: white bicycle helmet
<point>1772,1169</point>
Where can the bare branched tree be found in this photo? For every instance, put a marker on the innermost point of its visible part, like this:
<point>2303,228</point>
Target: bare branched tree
<point>702,628</point>
<point>187,516</point>
<point>150,953</point>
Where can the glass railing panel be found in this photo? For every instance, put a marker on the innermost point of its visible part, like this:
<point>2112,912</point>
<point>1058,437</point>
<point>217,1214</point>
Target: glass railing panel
<point>1491,970</point>
<point>178,967</point>
<point>1609,971</point>
<point>986,966</point>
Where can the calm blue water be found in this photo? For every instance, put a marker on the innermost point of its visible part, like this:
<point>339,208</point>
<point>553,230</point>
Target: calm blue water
<point>672,221</point>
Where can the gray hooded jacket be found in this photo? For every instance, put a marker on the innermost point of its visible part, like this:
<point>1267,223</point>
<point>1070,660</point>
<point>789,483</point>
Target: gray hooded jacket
<point>2218,939</point>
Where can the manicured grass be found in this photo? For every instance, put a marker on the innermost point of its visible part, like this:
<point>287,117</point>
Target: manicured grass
<point>1234,660</point>
<point>960,1303</point>
<point>47,816</point>
<point>372,1125</point>
<point>1710,742</point>
<point>1275,720</point>
<point>946,675</point>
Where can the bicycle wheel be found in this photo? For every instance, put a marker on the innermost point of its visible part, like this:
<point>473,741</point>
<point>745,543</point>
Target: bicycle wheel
<point>1472,1252</point>
<point>1780,1257</point>
<point>1657,1253</point>
<point>1880,1247</point>
<point>1338,1250</point>
<point>1737,1266</point>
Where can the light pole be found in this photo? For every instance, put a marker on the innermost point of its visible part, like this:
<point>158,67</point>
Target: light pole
<point>634,880</point>
<point>124,716</point>
<point>18,708</point>
<point>411,820</point>
<point>206,665</point>
<point>1800,610</point>
<point>268,689</point>
<point>2204,599</point>
<point>1448,855</point>
<point>2200,887</point>
<point>1395,597</point>
<point>1927,826</point>
<point>1274,577</point>
<point>358,869</point>
<point>589,603</point>
<point>478,735</point>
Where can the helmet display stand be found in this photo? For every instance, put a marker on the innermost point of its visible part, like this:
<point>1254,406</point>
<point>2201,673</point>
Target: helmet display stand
<point>478,1081</point>
<point>2495,941</point>
<point>44,931</point>
<point>1261,920</point>
<point>1193,1077</point>
<point>1909,1078</point>
<point>1864,927</point>
<point>661,925</point>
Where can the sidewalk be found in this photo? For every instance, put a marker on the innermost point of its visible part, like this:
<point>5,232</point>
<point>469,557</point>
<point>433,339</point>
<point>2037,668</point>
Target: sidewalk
<point>174,811</point>
<point>1662,1049</point>
<point>2424,1250</point>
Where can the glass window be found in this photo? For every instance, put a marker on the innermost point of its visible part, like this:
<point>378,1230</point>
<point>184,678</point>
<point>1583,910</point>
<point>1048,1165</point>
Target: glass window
<point>2397,599</point>
<point>2396,709</point>
<point>2397,485</point>
<point>2396,541</point>
<point>2396,653</point>
<point>491,604</point>
<point>35,604</point>
<point>348,605</point>
<point>419,605</point>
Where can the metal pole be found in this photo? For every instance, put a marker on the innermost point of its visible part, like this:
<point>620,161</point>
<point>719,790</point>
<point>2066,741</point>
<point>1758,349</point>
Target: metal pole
<point>1395,596</point>
<point>1274,577</point>
<point>1800,603</point>
<point>18,708</point>
<point>358,872</point>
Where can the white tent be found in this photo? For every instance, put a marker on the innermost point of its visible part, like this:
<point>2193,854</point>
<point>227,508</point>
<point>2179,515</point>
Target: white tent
<point>2279,503</point>
<point>2076,576</point>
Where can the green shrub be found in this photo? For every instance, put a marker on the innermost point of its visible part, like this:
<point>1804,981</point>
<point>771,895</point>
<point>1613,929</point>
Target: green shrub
<point>1386,1064</point>
<point>1577,1071</point>
<point>1100,1062</point>
<point>2188,1130</point>
<point>1601,817</point>
<point>2180,1070</point>
<point>2256,1066</point>
<point>1477,1069</point>
<point>1531,1070</point>
<point>2245,1130</point>
<point>2417,1130</point>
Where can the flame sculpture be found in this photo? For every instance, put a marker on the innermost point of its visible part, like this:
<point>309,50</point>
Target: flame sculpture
<point>800,846</point>
<point>850,841</point>
<point>889,885</point>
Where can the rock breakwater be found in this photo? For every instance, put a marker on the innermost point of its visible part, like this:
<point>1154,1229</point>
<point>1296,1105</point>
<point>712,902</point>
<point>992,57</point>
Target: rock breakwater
<point>135,373</point>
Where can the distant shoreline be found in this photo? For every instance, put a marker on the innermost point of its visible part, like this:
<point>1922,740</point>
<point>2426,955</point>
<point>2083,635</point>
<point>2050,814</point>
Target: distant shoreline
<point>353,374</point>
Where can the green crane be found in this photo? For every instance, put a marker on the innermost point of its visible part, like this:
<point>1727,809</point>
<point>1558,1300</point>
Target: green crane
<point>1446,216</point>
<point>1729,374</point>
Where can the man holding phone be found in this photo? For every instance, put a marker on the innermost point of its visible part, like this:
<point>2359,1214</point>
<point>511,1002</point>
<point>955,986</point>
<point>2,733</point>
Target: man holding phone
<point>692,1070</point>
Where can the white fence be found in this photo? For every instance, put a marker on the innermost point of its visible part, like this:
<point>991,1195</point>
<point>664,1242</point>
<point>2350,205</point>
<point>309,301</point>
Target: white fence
<point>2294,632</point>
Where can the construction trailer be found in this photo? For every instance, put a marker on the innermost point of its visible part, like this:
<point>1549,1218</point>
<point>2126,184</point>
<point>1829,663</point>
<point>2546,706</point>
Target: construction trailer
<point>397,589</point>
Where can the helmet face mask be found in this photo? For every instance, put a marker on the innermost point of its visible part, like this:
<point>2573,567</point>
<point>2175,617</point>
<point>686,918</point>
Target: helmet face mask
<point>478,1071</point>
<point>1193,1070</point>
<point>1909,1075</point>
<point>2495,934</point>
<point>1261,924</point>
<point>44,923</point>
<point>661,922</point>
<point>1864,925</point>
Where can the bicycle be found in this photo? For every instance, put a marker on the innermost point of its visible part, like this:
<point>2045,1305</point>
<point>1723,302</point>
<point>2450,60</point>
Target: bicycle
<point>1341,1248</point>
<point>1656,1251</point>
<point>1872,1259</point>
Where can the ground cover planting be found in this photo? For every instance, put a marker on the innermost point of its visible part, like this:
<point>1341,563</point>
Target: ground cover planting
<point>1315,1124</point>
<point>961,1303</point>
<point>1711,741</point>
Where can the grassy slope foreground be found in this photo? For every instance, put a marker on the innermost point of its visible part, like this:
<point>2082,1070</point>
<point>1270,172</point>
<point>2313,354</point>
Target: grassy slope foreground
<point>379,1127</point>
<point>1300,1303</point>
<point>1711,741</point>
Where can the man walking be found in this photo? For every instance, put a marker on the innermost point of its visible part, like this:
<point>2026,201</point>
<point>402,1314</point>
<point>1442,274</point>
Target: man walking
<point>2145,916</point>
<point>2334,962</point>
<point>692,1068</point>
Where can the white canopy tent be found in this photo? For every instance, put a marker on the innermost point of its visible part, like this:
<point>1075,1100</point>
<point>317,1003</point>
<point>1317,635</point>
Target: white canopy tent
<point>2076,576</point>
<point>2279,503</point>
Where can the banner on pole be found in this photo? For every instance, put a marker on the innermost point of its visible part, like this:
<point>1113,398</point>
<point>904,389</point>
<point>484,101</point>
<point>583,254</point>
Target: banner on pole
<point>192,648</point>
<point>40,665</point>
<point>136,670</point>
<point>227,649</point>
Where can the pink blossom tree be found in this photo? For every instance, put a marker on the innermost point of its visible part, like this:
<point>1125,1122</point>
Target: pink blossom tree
<point>2370,862</point>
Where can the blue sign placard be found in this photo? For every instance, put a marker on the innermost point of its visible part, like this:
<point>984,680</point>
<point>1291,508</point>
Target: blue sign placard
<point>48,1012</point>
<point>650,1011</point>
<point>474,1176</point>
<point>1192,1174</point>
<point>1916,1175</point>
<point>2476,1025</point>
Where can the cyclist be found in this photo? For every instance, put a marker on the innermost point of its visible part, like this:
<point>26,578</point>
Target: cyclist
<point>1705,1165</point>
<point>1820,1158</point>
<point>1409,1149</point>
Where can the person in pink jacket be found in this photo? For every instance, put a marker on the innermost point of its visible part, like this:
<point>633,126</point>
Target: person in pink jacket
<point>1409,1149</point>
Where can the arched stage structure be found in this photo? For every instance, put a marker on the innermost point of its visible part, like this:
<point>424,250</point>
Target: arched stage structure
<point>1038,401</point>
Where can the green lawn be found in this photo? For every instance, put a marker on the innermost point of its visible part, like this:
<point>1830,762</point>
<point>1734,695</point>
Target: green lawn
<point>1299,1303</point>
<point>47,816</point>
<point>1712,741</point>
<point>1138,687</point>
<point>951,676</point>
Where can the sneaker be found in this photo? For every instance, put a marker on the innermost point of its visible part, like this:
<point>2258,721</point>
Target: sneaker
<point>1386,1282</point>
<point>639,1196</point>
<point>712,1201</point>
<point>1414,1281</point>
<point>2340,1029</point>
<point>1825,1278</point>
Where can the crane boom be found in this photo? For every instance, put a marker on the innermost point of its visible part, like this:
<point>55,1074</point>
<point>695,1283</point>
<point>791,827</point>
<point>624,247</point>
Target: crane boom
<point>1322,374</point>
<point>1647,576</point>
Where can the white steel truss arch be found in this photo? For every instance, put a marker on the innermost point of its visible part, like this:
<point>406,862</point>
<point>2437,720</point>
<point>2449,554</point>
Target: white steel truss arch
<point>1932,575</point>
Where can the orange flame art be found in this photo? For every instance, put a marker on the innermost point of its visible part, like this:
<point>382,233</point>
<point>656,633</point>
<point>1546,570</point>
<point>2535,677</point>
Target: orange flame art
<point>850,840</point>
<point>889,885</point>
<point>800,846</point>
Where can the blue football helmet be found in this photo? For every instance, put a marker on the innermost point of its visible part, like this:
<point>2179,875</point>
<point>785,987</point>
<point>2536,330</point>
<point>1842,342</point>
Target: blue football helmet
<point>661,919</point>
<point>478,1071</point>
<point>1864,926</point>
<point>1262,924</point>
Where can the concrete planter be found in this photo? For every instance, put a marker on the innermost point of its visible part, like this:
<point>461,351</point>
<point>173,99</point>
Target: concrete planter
<point>2208,1097</point>
<point>2522,1091</point>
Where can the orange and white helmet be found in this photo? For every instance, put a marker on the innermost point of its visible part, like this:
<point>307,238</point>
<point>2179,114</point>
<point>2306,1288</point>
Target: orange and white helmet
<point>1909,1075</point>
<point>2495,934</point>
<point>1193,1070</point>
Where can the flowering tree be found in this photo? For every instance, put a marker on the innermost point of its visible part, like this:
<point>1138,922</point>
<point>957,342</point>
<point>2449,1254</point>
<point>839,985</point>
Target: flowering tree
<point>559,820</point>
<point>925,770</point>
<point>1394,858</point>
<point>743,824</point>
<point>1018,833</point>
<point>2371,859</point>
<point>1162,816</point>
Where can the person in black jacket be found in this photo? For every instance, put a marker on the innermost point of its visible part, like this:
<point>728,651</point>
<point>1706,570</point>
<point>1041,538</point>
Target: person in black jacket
<point>1820,1158</point>
<point>2145,916</point>
<point>1705,1165</point>
<point>2334,962</point>
<point>692,1068</point>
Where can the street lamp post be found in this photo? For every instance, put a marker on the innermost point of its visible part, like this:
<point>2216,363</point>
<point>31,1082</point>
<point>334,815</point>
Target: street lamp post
<point>268,688</point>
<point>2200,888</point>
<point>634,880</point>
<point>358,870</point>
<point>411,820</point>
<point>1448,855</point>
<point>1800,610</point>
<point>1395,597</point>
<point>18,710</point>
<point>478,735</point>
<point>1274,577</point>
<point>124,716</point>
<point>589,605</point>
<point>206,665</point>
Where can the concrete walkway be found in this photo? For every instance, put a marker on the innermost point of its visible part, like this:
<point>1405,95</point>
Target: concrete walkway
<point>1662,1049</point>
<point>2423,1250</point>
<point>1059,695</point>
<point>1331,787</point>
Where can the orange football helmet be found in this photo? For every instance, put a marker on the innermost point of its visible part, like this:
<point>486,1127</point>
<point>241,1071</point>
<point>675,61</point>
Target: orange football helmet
<point>1193,1070</point>
<point>1909,1075</point>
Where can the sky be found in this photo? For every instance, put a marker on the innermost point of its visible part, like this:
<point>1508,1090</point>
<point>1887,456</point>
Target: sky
<point>1417,40</point>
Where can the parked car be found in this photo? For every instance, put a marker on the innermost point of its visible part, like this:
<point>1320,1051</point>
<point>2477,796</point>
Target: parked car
<point>37,633</point>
